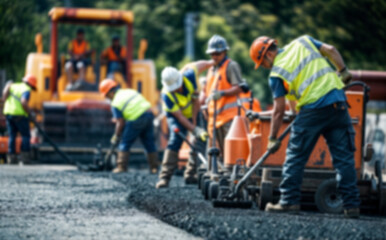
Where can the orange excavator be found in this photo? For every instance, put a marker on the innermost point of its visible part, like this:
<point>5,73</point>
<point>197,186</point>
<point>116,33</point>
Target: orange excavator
<point>79,120</point>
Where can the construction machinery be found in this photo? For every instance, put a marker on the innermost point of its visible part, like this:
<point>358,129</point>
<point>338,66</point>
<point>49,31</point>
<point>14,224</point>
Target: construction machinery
<point>80,120</point>
<point>255,182</point>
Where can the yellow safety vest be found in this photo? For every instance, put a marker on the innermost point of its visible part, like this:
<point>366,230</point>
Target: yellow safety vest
<point>307,73</point>
<point>181,102</point>
<point>131,103</point>
<point>12,105</point>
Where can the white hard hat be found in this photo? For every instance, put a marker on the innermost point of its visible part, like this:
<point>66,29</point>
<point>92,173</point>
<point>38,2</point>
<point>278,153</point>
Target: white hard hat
<point>171,79</point>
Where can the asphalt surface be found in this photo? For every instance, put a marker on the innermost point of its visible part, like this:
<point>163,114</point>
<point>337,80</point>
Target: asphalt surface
<point>42,203</point>
<point>48,202</point>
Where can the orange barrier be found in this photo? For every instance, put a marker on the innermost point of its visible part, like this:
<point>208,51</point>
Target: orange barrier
<point>236,142</point>
<point>320,156</point>
<point>4,145</point>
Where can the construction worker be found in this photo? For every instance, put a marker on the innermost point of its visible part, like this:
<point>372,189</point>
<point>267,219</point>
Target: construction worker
<point>79,51</point>
<point>224,85</point>
<point>133,119</point>
<point>300,72</point>
<point>16,97</point>
<point>114,56</point>
<point>181,104</point>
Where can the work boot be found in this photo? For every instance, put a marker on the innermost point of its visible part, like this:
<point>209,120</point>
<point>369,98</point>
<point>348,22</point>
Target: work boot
<point>24,157</point>
<point>352,213</point>
<point>152,159</point>
<point>191,180</point>
<point>270,207</point>
<point>190,171</point>
<point>123,158</point>
<point>162,183</point>
<point>169,164</point>
<point>12,158</point>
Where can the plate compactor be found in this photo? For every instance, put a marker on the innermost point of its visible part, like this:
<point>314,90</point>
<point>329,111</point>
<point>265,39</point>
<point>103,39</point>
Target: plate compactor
<point>255,176</point>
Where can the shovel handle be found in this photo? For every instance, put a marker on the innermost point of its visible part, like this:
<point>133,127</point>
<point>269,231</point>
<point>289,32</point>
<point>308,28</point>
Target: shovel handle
<point>260,161</point>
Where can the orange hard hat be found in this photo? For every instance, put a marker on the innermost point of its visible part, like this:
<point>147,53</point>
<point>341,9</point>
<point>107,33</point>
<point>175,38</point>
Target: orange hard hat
<point>258,49</point>
<point>30,80</point>
<point>106,85</point>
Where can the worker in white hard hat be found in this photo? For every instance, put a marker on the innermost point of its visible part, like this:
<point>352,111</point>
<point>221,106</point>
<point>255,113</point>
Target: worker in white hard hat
<point>181,104</point>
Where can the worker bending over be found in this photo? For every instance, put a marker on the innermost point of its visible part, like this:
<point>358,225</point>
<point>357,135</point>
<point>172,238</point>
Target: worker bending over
<point>133,119</point>
<point>300,72</point>
<point>16,111</point>
<point>181,104</point>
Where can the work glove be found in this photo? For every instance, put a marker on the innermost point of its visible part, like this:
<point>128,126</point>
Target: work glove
<point>273,145</point>
<point>251,115</point>
<point>115,139</point>
<point>200,133</point>
<point>345,76</point>
<point>215,95</point>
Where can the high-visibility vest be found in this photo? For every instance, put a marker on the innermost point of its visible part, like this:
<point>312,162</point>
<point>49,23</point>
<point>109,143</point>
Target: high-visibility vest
<point>112,56</point>
<point>12,105</point>
<point>307,75</point>
<point>226,106</point>
<point>78,48</point>
<point>181,102</point>
<point>131,103</point>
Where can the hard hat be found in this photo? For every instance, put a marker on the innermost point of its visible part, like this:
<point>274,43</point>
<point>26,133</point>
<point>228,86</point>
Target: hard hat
<point>30,80</point>
<point>217,44</point>
<point>171,79</point>
<point>106,85</point>
<point>258,49</point>
<point>115,38</point>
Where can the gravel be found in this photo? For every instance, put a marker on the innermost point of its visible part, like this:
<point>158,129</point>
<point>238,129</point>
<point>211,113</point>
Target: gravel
<point>184,207</point>
<point>41,203</point>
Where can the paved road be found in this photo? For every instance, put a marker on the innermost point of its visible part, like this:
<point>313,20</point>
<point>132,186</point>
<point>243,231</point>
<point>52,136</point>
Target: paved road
<point>56,202</point>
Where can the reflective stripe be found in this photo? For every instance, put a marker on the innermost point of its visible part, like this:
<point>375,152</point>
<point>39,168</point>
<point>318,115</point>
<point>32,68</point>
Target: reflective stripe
<point>311,79</point>
<point>291,76</point>
<point>232,105</point>
<point>128,101</point>
<point>306,45</point>
<point>282,72</point>
<point>186,106</point>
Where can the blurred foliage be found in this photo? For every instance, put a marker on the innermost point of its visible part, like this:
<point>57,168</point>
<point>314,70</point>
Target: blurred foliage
<point>356,28</point>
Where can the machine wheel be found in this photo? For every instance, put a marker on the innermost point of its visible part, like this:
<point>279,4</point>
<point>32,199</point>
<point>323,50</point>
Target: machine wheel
<point>205,188</point>
<point>202,181</point>
<point>199,177</point>
<point>266,194</point>
<point>380,188</point>
<point>327,198</point>
<point>112,161</point>
<point>213,190</point>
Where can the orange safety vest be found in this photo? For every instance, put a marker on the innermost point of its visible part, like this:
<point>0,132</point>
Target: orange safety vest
<point>227,107</point>
<point>111,56</point>
<point>78,48</point>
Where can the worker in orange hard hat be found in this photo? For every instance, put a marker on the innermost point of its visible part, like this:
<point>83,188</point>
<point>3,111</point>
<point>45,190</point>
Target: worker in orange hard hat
<point>300,73</point>
<point>226,86</point>
<point>133,119</point>
<point>79,51</point>
<point>115,57</point>
<point>16,97</point>
<point>181,104</point>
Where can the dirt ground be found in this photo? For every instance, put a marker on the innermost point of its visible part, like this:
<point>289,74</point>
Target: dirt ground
<point>43,203</point>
